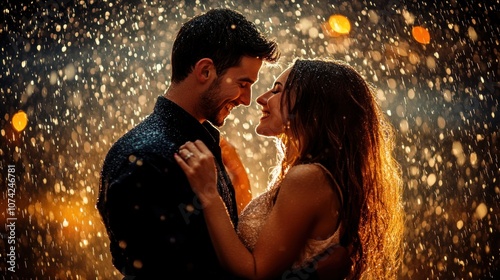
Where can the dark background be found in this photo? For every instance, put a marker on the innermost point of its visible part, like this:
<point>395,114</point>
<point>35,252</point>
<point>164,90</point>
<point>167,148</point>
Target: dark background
<point>87,71</point>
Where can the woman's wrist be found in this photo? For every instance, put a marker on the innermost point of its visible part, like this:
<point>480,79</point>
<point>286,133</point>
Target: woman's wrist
<point>209,199</point>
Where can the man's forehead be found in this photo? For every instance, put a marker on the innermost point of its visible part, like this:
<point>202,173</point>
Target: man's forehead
<point>247,70</point>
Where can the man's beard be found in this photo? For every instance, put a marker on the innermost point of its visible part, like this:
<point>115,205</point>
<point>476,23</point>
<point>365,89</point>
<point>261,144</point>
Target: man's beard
<point>210,103</point>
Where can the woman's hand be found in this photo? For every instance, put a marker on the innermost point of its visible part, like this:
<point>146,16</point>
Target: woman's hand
<point>198,164</point>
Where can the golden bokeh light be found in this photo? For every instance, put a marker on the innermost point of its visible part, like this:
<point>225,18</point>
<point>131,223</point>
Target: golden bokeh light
<point>421,34</point>
<point>19,121</point>
<point>91,72</point>
<point>337,25</point>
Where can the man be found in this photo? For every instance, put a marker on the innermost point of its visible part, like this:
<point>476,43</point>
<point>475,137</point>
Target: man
<point>152,217</point>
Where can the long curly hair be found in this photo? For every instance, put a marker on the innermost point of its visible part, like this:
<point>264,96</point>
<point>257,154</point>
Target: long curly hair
<point>334,119</point>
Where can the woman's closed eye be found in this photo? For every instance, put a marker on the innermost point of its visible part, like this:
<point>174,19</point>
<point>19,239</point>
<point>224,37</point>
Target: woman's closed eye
<point>277,88</point>
<point>243,85</point>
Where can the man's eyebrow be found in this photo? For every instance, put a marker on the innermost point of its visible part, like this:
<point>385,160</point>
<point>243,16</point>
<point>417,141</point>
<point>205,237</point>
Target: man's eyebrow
<point>246,79</point>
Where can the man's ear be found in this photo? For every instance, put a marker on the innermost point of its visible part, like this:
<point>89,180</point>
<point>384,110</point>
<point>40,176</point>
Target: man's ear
<point>204,70</point>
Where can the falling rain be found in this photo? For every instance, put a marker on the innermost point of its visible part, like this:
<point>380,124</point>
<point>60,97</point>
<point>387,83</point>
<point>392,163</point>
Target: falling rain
<point>75,75</point>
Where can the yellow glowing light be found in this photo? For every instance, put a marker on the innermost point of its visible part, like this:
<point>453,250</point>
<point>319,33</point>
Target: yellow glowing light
<point>339,24</point>
<point>421,34</point>
<point>19,121</point>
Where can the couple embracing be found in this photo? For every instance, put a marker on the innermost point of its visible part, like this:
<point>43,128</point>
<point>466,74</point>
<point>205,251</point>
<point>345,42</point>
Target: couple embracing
<point>176,200</point>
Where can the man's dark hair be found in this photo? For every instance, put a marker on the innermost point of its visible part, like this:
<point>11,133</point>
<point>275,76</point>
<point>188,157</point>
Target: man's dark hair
<point>224,36</point>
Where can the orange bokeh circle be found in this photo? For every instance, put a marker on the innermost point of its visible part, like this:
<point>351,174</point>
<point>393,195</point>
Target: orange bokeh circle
<point>421,34</point>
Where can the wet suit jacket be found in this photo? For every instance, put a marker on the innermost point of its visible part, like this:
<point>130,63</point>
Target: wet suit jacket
<point>154,220</point>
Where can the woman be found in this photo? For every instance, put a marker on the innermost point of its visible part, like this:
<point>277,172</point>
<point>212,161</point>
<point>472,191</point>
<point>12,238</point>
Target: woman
<point>336,182</point>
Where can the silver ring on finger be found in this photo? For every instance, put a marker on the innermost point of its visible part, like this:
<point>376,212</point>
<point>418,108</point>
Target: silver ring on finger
<point>188,156</point>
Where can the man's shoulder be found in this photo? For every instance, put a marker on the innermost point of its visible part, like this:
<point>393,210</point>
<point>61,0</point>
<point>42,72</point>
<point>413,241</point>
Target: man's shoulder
<point>149,136</point>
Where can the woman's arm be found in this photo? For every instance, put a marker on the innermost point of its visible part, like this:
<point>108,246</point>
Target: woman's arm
<point>304,196</point>
<point>200,171</point>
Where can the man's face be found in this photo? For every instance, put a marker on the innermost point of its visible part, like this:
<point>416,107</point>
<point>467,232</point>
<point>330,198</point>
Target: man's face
<point>232,89</point>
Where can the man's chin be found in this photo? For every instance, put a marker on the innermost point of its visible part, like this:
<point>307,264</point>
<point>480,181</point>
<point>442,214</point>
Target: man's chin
<point>220,119</point>
<point>217,122</point>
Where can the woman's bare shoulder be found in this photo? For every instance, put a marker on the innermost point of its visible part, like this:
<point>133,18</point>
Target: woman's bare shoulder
<point>306,178</point>
<point>309,172</point>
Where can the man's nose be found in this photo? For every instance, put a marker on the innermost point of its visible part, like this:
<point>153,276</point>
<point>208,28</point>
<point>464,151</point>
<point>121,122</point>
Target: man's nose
<point>246,97</point>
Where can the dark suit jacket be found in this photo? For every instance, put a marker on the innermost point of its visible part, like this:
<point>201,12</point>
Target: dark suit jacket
<point>154,220</point>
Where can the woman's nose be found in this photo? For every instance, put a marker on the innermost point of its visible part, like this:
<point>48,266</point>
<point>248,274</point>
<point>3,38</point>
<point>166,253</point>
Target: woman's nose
<point>262,99</point>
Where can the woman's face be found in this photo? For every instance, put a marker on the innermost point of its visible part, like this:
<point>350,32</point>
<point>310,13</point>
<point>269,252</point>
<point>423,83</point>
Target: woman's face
<point>272,123</point>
